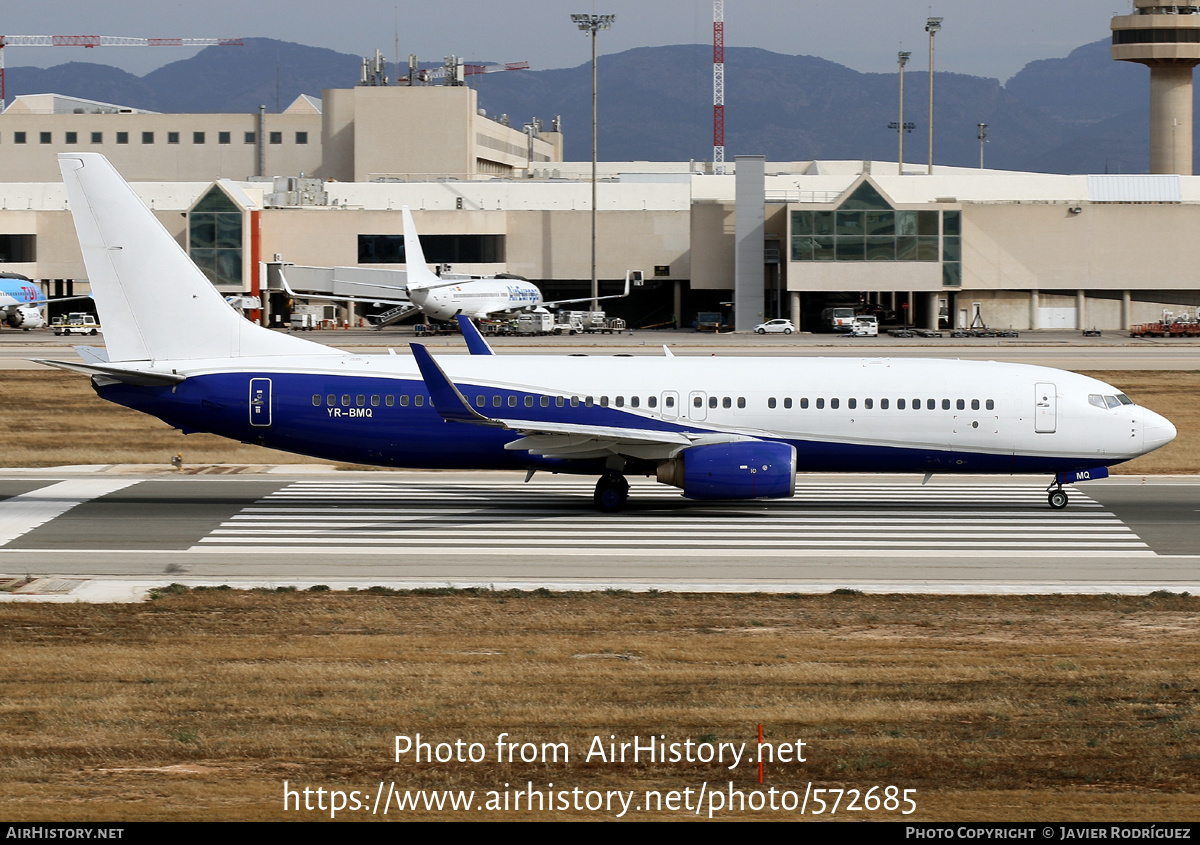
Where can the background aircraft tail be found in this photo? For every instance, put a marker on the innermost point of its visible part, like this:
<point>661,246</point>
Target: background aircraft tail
<point>154,303</point>
<point>419,274</point>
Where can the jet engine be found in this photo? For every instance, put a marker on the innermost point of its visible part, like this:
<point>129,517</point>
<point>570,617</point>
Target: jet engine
<point>745,469</point>
<point>25,317</point>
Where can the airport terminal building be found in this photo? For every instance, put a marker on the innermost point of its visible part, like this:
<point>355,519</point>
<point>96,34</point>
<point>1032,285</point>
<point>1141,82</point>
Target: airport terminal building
<point>323,183</point>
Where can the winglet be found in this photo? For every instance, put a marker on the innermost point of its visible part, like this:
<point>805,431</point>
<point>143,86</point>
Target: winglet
<point>476,345</point>
<point>450,404</point>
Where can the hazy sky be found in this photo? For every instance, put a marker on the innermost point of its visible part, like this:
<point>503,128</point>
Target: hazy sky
<point>978,37</point>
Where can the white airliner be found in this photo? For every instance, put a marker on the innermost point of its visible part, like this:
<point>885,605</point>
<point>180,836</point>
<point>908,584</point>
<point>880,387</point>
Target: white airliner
<point>447,296</point>
<point>719,428</point>
<point>21,302</point>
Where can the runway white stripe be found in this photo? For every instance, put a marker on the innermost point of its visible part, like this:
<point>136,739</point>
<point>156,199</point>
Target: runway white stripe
<point>21,514</point>
<point>556,517</point>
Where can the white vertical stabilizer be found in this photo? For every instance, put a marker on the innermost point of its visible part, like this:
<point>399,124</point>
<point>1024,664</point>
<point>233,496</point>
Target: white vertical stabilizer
<point>154,303</point>
<point>419,274</point>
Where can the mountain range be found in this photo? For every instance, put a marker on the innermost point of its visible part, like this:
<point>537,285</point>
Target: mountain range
<point>1083,113</point>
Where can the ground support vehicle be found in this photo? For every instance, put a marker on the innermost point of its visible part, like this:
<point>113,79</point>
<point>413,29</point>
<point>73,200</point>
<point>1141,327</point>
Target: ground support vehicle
<point>535,324</point>
<point>596,322</point>
<point>76,323</point>
<point>568,322</point>
<point>427,329</point>
<point>1180,327</point>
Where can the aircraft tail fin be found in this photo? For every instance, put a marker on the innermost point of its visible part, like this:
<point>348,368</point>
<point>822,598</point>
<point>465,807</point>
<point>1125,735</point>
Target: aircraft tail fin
<point>419,274</point>
<point>153,302</point>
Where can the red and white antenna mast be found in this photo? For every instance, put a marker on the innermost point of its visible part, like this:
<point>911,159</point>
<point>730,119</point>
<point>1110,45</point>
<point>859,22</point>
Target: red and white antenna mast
<point>718,86</point>
<point>101,41</point>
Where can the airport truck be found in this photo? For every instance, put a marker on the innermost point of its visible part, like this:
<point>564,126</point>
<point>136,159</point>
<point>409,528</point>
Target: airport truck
<point>77,322</point>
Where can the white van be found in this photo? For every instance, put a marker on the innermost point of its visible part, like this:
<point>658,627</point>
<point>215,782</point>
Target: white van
<point>865,325</point>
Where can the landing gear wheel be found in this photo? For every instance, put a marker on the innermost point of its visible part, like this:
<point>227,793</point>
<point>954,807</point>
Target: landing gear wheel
<point>612,491</point>
<point>1058,499</point>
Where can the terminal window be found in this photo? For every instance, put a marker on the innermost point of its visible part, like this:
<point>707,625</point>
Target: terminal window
<point>866,228</point>
<point>224,138</point>
<point>197,137</point>
<point>147,137</point>
<point>122,137</point>
<point>215,237</point>
<point>172,137</point>
<point>44,137</point>
<point>439,249</point>
<point>71,138</point>
<point>276,137</point>
<point>18,137</point>
<point>20,249</point>
<point>249,138</point>
<point>301,137</point>
<point>97,137</point>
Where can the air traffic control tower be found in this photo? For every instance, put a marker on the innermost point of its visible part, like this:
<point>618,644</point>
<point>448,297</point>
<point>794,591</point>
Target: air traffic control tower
<point>1167,40</point>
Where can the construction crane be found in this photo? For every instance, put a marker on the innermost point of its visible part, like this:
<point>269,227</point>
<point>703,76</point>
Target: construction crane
<point>100,41</point>
<point>455,70</point>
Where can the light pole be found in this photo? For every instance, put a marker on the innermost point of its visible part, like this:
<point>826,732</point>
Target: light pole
<point>932,25</point>
<point>592,24</point>
<point>902,57</point>
<point>982,141</point>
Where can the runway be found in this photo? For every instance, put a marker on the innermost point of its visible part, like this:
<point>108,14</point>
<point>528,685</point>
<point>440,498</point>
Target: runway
<point>112,532</point>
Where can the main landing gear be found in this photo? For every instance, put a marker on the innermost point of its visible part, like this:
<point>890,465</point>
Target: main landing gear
<point>612,492</point>
<point>1056,495</point>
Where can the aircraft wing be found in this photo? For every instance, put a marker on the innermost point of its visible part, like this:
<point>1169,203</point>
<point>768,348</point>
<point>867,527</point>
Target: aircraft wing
<point>368,299</point>
<point>634,276</point>
<point>561,440</point>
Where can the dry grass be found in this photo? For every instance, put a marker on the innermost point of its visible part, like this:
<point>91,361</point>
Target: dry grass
<point>200,705</point>
<point>59,420</point>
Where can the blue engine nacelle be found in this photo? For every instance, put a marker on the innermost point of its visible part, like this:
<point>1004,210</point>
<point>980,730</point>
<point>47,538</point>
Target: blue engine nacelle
<point>748,469</point>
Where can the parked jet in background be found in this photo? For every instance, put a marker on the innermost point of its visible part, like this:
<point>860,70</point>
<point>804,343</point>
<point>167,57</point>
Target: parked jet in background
<point>719,428</point>
<point>445,297</point>
<point>21,302</point>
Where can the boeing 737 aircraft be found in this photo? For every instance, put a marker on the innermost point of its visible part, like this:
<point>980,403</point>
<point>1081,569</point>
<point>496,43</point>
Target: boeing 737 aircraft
<point>719,428</point>
<point>447,296</point>
<point>21,301</point>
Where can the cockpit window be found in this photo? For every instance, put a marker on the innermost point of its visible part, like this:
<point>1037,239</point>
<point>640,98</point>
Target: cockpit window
<point>1097,400</point>
<point>1112,401</point>
<point>1123,399</point>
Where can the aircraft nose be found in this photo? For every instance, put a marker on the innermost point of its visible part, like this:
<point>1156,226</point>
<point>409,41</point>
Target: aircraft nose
<point>1157,430</point>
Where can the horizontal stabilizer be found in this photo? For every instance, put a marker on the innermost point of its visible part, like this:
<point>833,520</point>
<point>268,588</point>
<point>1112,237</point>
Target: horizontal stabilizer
<point>92,354</point>
<point>141,378</point>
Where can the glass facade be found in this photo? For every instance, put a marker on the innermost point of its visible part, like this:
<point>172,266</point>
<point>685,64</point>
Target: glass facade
<point>215,238</point>
<point>866,228</point>
<point>439,249</point>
